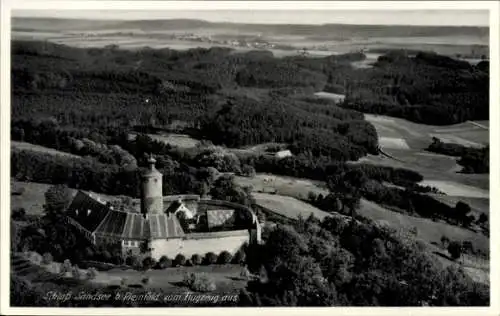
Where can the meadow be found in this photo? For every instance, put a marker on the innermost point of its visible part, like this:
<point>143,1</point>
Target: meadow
<point>15,145</point>
<point>405,142</point>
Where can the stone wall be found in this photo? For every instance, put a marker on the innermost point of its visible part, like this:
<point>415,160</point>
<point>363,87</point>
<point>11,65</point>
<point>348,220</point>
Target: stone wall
<point>200,244</point>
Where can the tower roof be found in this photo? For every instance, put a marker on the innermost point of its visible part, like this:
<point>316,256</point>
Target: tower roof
<point>151,171</point>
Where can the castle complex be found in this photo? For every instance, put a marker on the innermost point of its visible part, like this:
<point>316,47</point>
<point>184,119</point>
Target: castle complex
<point>165,226</point>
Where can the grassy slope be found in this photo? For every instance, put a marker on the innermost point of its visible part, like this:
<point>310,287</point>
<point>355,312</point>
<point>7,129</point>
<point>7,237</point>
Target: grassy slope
<point>288,206</point>
<point>15,145</point>
<point>418,137</point>
<point>429,230</point>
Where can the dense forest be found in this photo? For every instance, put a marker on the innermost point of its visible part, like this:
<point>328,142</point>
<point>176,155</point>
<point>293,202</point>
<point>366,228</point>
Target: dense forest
<point>86,101</point>
<point>356,263</point>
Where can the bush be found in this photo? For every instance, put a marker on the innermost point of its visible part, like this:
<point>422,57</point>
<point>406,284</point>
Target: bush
<point>66,266</point>
<point>248,171</point>
<point>179,260</point>
<point>89,253</point>
<point>164,263</point>
<point>75,272</point>
<point>224,257</point>
<point>132,261</point>
<point>239,257</point>
<point>148,263</point>
<point>54,267</point>
<point>18,214</point>
<point>210,258</point>
<point>35,257</point>
<point>455,250</point>
<point>468,247</point>
<point>199,282</point>
<point>414,230</point>
<point>312,197</point>
<point>445,241</point>
<point>106,256</point>
<point>92,273</point>
<point>123,282</point>
<point>117,259</point>
<point>47,258</point>
<point>196,259</point>
<point>188,279</point>
<point>188,263</point>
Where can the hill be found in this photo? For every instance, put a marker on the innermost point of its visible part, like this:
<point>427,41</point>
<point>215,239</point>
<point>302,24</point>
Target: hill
<point>318,31</point>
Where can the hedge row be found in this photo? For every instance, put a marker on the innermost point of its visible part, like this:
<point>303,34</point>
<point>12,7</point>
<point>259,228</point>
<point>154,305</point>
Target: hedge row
<point>209,258</point>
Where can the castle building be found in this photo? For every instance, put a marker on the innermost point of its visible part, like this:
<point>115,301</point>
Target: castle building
<point>165,225</point>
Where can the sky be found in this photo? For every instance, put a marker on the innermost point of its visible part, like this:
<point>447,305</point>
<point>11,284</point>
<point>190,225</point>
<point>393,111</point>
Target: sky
<point>378,17</point>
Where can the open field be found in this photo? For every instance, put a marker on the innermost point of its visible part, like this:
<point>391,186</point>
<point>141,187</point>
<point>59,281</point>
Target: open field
<point>99,35</point>
<point>330,96</point>
<point>226,277</point>
<point>434,167</point>
<point>288,206</point>
<point>288,186</point>
<point>392,143</point>
<point>177,140</point>
<point>419,136</point>
<point>15,145</point>
<point>32,199</point>
<point>428,230</point>
<point>478,204</point>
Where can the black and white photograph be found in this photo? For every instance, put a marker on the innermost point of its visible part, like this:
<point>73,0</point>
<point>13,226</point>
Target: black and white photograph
<point>234,157</point>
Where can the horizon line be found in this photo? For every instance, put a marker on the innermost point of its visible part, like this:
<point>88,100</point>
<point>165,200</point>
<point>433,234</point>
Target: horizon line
<point>242,23</point>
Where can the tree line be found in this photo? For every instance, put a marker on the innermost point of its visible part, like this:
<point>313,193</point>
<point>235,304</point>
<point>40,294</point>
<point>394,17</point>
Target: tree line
<point>336,262</point>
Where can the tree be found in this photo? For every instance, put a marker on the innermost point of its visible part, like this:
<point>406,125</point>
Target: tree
<point>18,214</point>
<point>224,257</point>
<point>311,196</point>
<point>148,263</point>
<point>210,258</point>
<point>455,250</point>
<point>180,260</point>
<point>462,209</point>
<point>248,171</point>
<point>226,189</point>
<point>445,241</point>
<point>196,259</point>
<point>57,199</point>
<point>348,186</point>
<point>164,262</point>
<point>482,219</point>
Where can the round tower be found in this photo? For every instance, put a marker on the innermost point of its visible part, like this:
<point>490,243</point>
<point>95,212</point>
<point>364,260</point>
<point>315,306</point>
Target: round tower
<point>151,190</point>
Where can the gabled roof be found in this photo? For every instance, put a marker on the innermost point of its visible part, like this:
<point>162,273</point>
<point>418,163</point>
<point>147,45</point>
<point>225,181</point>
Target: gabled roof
<point>106,222</point>
<point>87,211</point>
<point>173,207</point>
<point>165,226</point>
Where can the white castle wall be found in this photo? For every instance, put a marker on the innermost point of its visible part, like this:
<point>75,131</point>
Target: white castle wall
<point>200,243</point>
